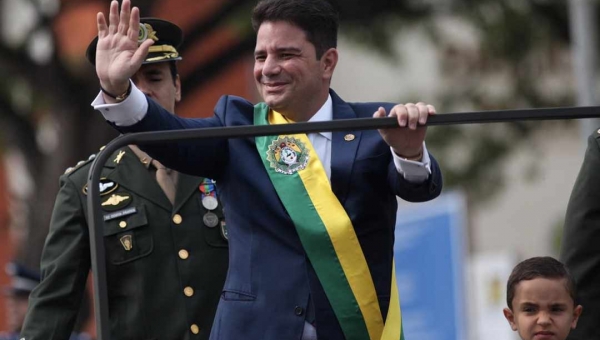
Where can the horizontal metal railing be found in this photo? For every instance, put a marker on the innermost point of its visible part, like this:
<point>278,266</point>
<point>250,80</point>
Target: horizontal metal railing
<point>95,217</point>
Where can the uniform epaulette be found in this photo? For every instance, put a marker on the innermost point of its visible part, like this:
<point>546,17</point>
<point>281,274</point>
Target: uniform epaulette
<point>81,163</point>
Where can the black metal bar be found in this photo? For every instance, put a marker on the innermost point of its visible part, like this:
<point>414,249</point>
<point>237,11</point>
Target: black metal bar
<point>95,219</point>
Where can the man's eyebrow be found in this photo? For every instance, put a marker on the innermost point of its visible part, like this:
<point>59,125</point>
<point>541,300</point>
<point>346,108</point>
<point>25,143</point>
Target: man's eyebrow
<point>280,50</point>
<point>153,71</point>
<point>289,49</point>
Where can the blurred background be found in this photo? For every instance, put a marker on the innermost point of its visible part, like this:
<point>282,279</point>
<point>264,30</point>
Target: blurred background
<point>507,185</point>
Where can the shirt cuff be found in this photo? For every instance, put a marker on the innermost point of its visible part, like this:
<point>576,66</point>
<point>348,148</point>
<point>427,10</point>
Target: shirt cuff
<point>413,171</point>
<point>126,113</point>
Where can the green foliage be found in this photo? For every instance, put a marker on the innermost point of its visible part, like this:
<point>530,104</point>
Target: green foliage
<point>517,60</point>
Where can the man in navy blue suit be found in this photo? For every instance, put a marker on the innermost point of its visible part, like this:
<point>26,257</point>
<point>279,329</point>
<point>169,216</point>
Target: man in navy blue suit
<point>311,217</point>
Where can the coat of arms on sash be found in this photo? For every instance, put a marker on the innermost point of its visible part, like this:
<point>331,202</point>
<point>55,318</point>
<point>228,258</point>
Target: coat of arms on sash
<point>287,155</point>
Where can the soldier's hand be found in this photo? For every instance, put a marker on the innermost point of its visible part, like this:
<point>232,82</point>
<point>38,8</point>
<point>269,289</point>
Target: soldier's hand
<point>118,53</point>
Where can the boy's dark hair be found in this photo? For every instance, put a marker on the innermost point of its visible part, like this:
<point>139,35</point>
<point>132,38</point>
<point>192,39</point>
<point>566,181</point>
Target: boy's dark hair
<point>545,267</point>
<point>317,18</point>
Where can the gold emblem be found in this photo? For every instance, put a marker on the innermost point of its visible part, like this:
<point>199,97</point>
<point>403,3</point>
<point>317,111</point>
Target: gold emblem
<point>114,200</point>
<point>349,137</point>
<point>127,242</point>
<point>119,156</point>
<point>146,32</point>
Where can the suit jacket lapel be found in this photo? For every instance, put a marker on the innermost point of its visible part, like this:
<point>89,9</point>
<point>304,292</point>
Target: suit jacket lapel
<point>186,186</point>
<point>342,152</point>
<point>131,174</point>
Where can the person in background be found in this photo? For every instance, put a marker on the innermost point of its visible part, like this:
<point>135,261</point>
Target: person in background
<point>22,281</point>
<point>164,232</point>
<point>541,298</point>
<point>580,239</point>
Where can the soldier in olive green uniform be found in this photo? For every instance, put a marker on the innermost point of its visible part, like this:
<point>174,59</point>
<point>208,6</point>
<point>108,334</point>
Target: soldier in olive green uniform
<point>165,237</point>
<point>580,248</point>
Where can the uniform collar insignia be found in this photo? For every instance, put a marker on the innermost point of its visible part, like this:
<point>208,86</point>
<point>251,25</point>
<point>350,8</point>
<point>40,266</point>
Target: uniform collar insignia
<point>119,156</point>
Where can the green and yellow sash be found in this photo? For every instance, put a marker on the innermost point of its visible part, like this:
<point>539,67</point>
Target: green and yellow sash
<point>326,233</point>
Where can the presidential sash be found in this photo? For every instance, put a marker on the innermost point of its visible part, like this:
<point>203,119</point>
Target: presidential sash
<point>326,233</point>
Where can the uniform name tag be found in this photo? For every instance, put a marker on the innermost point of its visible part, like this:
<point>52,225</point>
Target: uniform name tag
<point>120,213</point>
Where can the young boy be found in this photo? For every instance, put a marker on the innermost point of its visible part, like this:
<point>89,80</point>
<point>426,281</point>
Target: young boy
<point>541,298</point>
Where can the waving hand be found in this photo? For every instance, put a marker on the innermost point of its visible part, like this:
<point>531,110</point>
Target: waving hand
<point>118,53</point>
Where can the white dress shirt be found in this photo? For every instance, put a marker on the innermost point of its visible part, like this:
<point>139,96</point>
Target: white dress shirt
<point>134,107</point>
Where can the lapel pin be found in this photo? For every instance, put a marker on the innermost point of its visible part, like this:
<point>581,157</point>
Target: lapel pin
<point>349,137</point>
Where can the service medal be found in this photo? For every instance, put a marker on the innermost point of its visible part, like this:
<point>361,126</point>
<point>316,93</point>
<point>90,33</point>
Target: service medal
<point>210,219</point>
<point>210,202</point>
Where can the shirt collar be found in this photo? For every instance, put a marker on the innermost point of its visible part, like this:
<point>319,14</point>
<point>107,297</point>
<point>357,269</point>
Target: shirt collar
<point>324,114</point>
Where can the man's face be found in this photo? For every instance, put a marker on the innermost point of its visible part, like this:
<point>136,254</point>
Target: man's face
<point>542,309</point>
<point>156,82</point>
<point>287,72</point>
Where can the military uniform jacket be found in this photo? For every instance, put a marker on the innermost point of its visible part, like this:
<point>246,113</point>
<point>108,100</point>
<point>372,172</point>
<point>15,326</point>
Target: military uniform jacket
<point>580,249</point>
<point>165,267</point>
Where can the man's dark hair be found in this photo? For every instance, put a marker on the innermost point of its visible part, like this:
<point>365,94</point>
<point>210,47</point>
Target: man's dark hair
<point>173,69</point>
<point>545,267</point>
<point>317,18</point>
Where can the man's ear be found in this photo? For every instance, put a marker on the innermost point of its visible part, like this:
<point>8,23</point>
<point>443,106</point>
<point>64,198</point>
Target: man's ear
<point>177,89</point>
<point>329,60</point>
<point>576,313</point>
<point>510,317</point>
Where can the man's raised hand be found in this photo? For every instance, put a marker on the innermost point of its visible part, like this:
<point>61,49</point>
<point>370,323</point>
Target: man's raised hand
<point>118,53</point>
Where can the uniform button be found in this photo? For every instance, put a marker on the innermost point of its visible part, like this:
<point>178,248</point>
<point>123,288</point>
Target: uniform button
<point>177,219</point>
<point>184,254</point>
<point>188,291</point>
<point>195,329</point>
<point>123,224</point>
<point>298,310</point>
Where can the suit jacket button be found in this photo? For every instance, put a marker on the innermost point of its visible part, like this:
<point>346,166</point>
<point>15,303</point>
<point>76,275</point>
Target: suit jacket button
<point>298,310</point>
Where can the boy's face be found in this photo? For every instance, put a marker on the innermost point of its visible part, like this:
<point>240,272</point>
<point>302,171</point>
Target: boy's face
<point>542,309</point>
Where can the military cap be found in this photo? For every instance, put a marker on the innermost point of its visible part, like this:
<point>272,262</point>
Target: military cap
<point>22,279</point>
<point>167,40</point>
